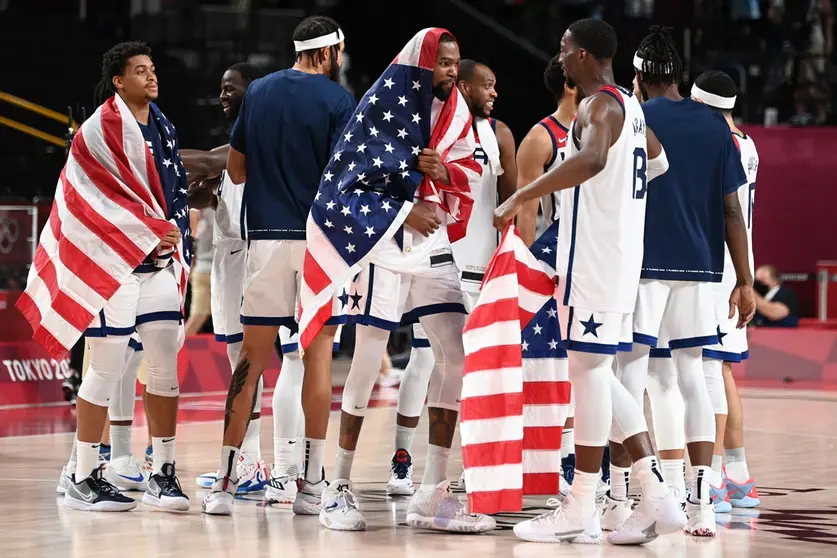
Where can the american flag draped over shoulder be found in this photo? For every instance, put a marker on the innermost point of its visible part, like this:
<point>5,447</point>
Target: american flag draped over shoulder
<point>368,187</point>
<point>515,390</point>
<point>109,213</point>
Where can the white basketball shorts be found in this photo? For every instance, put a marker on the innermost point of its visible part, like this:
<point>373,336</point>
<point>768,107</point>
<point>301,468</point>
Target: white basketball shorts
<point>142,298</point>
<point>732,342</point>
<point>685,309</point>
<point>227,288</point>
<point>271,284</point>
<point>589,331</point>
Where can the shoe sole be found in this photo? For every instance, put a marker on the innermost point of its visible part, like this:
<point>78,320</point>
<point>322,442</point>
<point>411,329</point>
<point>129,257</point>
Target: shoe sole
<point>166,503</point>
<point>551,538</point>
<point>206,482</point>
<point>306,509</point>
<point>81,505</point>
<point>745,502</point>
<point>272,499</point>
<point>724,507</point>
<point>396,490</point>
<point>328,524</point>
<point>422,522</point>
<point>217,510</point>
<point>702,532</point>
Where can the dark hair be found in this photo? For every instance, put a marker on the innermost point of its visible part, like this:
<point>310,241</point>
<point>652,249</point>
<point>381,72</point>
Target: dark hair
<point>718,83</point>
<point>114,62</point>
<point>446,38</point>
<point>467,68</point>
<point>248,71</point>
<point>553,78</point>
<point>661,64</point>
<point>311,28</point>
<point>595,36</point>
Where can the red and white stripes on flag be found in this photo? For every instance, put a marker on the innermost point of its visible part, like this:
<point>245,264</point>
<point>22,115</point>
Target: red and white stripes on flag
<point>509,410</point>
<point>108,214</point>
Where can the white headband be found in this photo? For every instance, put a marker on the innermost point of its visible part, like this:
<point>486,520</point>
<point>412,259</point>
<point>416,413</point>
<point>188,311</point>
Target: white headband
<point>638,62</point>
<point>320,42</point>
<point>725,103</point>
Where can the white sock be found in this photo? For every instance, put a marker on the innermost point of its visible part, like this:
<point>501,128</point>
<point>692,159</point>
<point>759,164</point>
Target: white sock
<point>229,463</point>
<point>343,468</point>
<point>737,465</point>
<point>674,475</point>
<point>286,454</point>
<point>251,446</point>
<point>717,467</point>
<point>314,459</point>
<point>619,479</point>
<point>700,484</point>
<point>404,438</point>
<point>120,439</point>
<point>436,466</point>
<point>584,490</point>
<point>567,442</point>
<point>650,478</point>
<point>163,452</point>
<point>87,459</point>
<point>71,463</point>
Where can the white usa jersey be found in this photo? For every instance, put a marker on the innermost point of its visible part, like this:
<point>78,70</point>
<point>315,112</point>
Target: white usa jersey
<point>228,213</point>
<point>602,225</point>
<point>550,203</point>
<point>473,252</point>
<point>746,197</point>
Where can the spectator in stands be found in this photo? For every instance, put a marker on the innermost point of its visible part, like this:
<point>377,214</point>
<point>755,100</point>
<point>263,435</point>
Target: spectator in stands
<point>775,303</point>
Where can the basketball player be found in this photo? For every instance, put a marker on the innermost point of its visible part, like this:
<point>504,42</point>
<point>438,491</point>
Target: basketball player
<point>422,279</point>
<point>148,301</point>
<point>717,90</point>
<point>495,152</point>
<point>690,212</point>
<point>609,164</point>
<point>282,140</point>
<point>544,148</point>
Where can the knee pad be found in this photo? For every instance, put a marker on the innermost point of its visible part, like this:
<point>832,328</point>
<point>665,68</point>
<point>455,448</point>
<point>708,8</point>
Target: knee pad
<point>160,342</point>
<point>106,367</point>
<point>414,383</point>
<point>445,334</point>
<point>591,375</point>
<point>667,407</point>
<point>370,347</point>
<point>121,407</point>
<point>700,419</point>
<point>713,373</point>
<point>628,418</point>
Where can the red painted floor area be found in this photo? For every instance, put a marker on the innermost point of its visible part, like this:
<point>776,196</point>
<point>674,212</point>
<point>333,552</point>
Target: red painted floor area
<point>28,421</point>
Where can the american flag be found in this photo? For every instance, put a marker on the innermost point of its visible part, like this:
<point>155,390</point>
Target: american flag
<point>367,189</point>
<point>515,390</point>
<point>109,213</point>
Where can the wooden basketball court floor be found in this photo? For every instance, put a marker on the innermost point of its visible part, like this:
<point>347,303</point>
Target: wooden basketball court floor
<point>791,438</point>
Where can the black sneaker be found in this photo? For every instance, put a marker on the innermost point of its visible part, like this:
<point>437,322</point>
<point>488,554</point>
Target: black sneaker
<point>96,494</point>
<point>164,491</point>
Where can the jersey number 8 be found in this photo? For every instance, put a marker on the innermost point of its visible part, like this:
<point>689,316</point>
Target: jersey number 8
<point>640,185</point>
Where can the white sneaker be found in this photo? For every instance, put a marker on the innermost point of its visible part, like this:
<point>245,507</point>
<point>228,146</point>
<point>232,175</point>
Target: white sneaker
<point>563,524</point>
<point>652,517</point>
<point>602,488</point>
<point>563,488</point>
<point>309,497</point>
<point>125,474</point>
<point>461,484</point>
<point>281,488</point>
<point>392,379</point>
<point>401,480</point>
<point>339,510</point>
<point>252,475</point>
<point>700,519</point>
<point>220,500</point>
<point>438,509</point>
<point>615,513</point>
<point>63,481</point>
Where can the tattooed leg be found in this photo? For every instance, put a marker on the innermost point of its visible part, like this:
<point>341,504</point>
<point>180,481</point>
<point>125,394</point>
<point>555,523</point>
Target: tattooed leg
<point>442,426</point>
<point>256,350</point>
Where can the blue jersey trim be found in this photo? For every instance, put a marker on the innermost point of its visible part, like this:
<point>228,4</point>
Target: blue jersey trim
<point>597,348</point>
<point>571,256</point>
<point>624,347</point>
<point>644,339</point>
<point>413,315</point>
<point>660,353</point>
<point>420,343</point>
<point>369,287</point>
<point>722,355</point>
<point>135,345</point>
<point>372,321</point>
<point>697,276</point>
<point>286,321</point>
<point>692,342</point>
<point>554,146</point>
<point>164,316</point>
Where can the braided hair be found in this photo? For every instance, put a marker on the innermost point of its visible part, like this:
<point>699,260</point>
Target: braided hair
<point>114,62</point>
<point>661,64</point>
<point>311,28</point>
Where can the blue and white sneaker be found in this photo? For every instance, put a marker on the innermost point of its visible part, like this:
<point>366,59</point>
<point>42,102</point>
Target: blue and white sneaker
<point>719,497</point>
<point>401,480</point>
<point>339,510</point>
<point>252,476</point>
<point>104,453</point>
<point>742,494</point>
<point>125,474</point>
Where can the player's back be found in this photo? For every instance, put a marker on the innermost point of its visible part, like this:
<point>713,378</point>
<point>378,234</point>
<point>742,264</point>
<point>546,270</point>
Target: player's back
<point>602,220</point>
<point>558,137</point>
<point>684,234</point>
<point>289,122</point>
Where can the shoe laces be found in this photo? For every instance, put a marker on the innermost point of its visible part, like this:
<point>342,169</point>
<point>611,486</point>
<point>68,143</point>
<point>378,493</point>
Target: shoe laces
<point>102,485</point>
<point>556,512</point>
<point>167,480</point>
<point>401,463</point>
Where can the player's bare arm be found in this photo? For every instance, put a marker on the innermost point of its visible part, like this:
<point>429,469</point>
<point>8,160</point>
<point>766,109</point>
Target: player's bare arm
<point>205,164</point>
<point>742,295</point>
<point>236,167</point>
<point>535,152</point>
<point>599,122</point>
<point>506,182</point>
